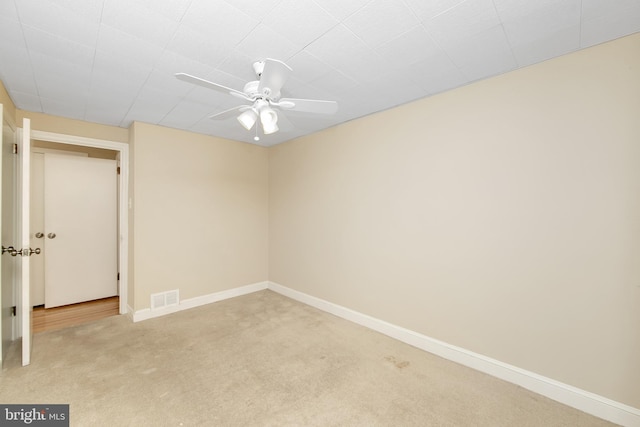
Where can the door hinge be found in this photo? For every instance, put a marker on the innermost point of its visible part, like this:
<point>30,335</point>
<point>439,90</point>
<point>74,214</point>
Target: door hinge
<point>118,276</point>
<point>13,311</point>
<point>15,148</point>
<point>118,169</point>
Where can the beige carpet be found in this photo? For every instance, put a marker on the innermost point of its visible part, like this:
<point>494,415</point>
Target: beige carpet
<point>262,360</point>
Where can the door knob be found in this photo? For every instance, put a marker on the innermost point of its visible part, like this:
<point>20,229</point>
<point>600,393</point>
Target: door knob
<point>39,235</point>
<point>26,252</point>
<point>51,235</point>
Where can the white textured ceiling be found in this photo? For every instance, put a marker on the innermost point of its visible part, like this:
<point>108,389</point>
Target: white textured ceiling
<point>113,61</point>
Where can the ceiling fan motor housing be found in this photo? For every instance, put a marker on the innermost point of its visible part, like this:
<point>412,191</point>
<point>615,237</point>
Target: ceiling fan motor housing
<point>258,68</point>
<point>251,90</point>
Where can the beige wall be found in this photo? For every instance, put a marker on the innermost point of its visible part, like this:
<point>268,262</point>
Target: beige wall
<point>9,108</point>
<point>502,217</point>
<point>57,124</point>
<point>198,220</point>
<point>200,213</point>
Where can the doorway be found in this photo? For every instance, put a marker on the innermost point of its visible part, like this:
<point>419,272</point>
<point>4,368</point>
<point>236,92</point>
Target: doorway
<point>74,222</point>
<point>101,148</point>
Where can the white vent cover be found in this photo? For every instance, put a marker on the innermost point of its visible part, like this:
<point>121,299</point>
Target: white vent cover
<point>164,299</point>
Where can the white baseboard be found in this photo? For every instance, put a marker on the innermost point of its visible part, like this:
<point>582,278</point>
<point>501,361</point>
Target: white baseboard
<point>129,313</point>
<point>186,304</point>
<point>585,401</point>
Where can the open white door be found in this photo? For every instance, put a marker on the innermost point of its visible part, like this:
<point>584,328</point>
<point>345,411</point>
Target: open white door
<point>23,207</point>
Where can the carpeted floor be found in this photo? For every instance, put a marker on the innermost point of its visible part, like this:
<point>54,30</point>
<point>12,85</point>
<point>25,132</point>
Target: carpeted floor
<point>261,360</point>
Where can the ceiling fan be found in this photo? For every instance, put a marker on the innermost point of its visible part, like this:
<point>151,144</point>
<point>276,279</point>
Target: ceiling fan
<point>264,97</point>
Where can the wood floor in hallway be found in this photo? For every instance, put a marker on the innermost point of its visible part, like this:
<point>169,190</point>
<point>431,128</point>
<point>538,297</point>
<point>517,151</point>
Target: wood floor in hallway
<point>70,315</point>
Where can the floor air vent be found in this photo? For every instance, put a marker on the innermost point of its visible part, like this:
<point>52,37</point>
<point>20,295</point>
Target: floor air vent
<point>164,299</point>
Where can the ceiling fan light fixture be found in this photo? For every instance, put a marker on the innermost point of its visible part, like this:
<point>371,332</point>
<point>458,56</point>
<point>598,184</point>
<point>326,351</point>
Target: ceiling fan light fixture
<point>272,128</point>
<point>269,120</point>
<point>248,118</point>
<point>264,95</point>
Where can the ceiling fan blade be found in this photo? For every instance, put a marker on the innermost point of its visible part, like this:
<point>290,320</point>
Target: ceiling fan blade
<point>231,112</point>
<point>274,74</point>
<point>285,124</point>
<point>308,105</point>
<point>210,85</point>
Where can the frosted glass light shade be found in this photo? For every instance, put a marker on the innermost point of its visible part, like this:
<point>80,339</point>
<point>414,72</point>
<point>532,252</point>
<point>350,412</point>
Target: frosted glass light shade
<point>248,119</point>
<point>269,120</point>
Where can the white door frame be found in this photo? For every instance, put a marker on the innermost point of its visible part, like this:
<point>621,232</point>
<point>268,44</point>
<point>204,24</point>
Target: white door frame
<point>123,198</point>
